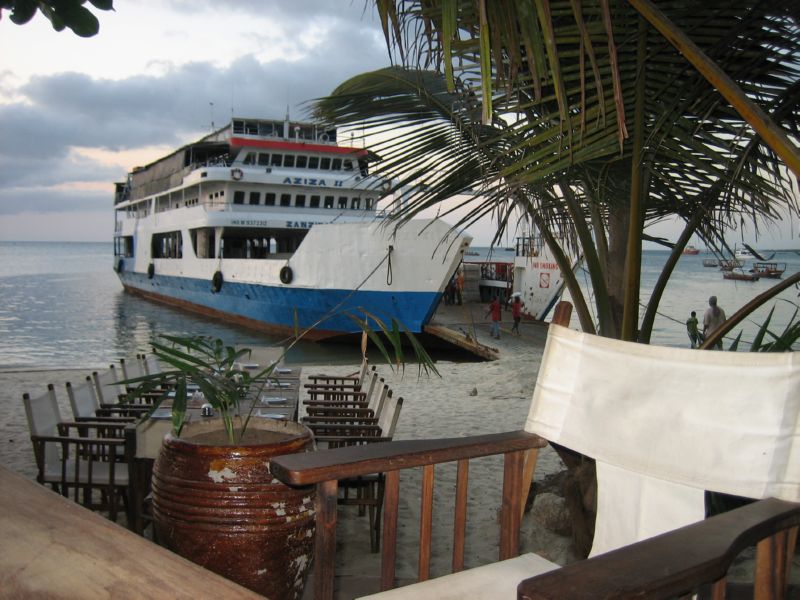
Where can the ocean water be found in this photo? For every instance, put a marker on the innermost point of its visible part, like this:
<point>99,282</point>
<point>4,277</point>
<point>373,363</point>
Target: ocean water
<point>62,306</point>
<point>691,285</point>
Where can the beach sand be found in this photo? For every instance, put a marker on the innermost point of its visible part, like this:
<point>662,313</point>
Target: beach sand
<point>467,399</point>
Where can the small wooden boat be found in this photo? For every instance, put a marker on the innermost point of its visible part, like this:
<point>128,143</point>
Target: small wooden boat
<point>739,275</point>
<point>729,264</point>
<point>691,250</point>
<point>710,262</point>
<point>773,270</point>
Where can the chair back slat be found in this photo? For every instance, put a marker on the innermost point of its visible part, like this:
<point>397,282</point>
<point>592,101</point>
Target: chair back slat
<point>106,386</point>
<point>390,414</point>
<point>373,381</point>
<point>151,364</point>
<point>132,368</point>
<point>83,399</point>
<point>43,418</point>
<point>43,413</point>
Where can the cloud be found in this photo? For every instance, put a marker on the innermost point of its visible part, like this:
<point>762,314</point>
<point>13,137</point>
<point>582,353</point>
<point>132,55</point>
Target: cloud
<point>47,118</point>
<point>41,200</point>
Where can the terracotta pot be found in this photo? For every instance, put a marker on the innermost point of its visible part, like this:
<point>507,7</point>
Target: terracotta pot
<point>220,507</point>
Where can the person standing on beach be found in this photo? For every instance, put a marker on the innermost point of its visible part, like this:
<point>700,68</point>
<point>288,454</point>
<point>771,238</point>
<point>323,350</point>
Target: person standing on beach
<point>460,287</point>
<point>692,330</point>
<point>496,311</point>
<point>713,318</point>
<point>516,312</point>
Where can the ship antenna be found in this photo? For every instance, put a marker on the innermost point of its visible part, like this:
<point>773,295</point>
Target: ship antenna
<point>211,108</point>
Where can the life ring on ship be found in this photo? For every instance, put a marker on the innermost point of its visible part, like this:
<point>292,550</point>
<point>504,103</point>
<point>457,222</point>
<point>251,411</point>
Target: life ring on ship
<point>236,174</point>
<point>216,282</point>
<point>151,270</point>
<point>119,266</point>
<point>286,275</point>
<point>324,137</point>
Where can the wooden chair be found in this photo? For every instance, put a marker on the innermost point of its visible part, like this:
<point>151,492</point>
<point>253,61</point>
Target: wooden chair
<point>356,427</point>
<point>348,404</point>
<point>663,425</point>
<point>353,382</point>
<point>112,393</point>
<point>151,364</point>
<point>81,458</point>
<point>108,390</point>
<point>86,406</point>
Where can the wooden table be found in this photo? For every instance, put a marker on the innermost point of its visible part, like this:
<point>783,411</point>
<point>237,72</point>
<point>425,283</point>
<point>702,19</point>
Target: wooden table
<point>53,547</point>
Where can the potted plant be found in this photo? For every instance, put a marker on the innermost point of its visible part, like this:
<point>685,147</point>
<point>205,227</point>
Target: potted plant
<point>215,501</point>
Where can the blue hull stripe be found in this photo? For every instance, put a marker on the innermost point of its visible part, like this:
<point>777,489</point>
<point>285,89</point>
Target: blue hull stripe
<point>276,305</point>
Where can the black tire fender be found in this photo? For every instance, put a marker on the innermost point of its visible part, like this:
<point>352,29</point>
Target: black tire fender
<point>151,270</point>
<point>286,275</point>
<point>120,266</point>
<point>216,282</point>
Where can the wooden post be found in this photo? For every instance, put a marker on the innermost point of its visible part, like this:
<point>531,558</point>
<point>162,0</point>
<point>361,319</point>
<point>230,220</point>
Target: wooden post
<point>325,540</point>
<point>391,503</point>
<point>561,316</point>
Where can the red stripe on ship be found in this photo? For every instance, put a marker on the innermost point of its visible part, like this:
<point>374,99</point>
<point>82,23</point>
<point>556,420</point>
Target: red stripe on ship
<point>298,146</point>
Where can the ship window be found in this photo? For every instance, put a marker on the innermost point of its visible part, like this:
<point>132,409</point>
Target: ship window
<point>313,162</point>
<point>355,203</point>
<point>336,165</point>
<point>301,162</point>
<point>286,199</point>
<point>300,200</point>
<point>342,201</point>
<point>276,159</point>
<point>288,160</point>
<point>325,164</point>
<point>203,174</point>
<point>363,167</point>
<point>263,159</point>
<point>314,202</point>
<point>238,197</point>
<point>250,159</point>
<point>269,199</point>
<point>328,201</point>
<point>368,204</point>
<point>255,198</point>
<point>167,245</point>
<point>123,246</point>
<point>348,165</point>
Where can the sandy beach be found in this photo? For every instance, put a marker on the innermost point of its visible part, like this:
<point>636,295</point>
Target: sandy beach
<point>467,399</point>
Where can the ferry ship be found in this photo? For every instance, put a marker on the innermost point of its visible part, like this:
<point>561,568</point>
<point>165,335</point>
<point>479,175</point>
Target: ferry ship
<point>273,225</point>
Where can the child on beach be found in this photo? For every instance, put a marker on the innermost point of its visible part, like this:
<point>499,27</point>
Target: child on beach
<point>694,333</point>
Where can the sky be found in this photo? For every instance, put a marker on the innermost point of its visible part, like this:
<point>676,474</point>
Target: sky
<point>77,114</point>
